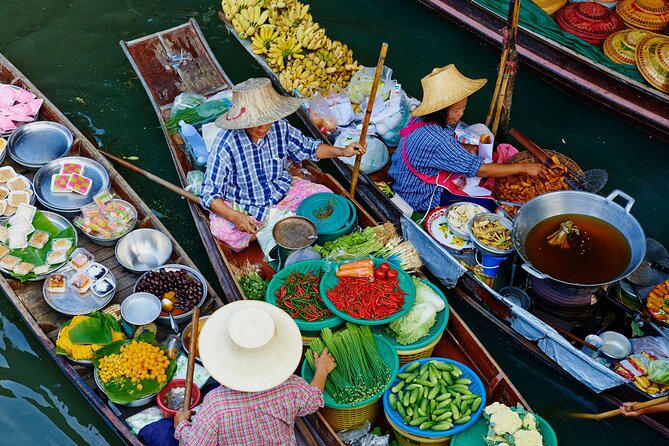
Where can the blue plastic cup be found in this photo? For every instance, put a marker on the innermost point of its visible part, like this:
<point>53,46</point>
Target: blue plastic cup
<point>490,264</point>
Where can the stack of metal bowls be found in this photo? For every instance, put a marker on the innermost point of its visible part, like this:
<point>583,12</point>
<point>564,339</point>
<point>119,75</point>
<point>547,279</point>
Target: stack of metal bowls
<point>35,144</point>
<point>69,204</point>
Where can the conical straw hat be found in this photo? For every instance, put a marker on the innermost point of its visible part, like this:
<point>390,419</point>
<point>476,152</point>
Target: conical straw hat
<point>620,46</point>
<point>652,15</point>
<point>254,103</point>
<point>250,346</point>
<point>444,87</point>
<point>550,7</point>
<point>652,59</point>
<point>590,21</point>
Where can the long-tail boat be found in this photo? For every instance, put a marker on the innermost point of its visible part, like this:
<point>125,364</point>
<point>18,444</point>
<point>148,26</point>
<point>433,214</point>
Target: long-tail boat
<point>451,271</point>
<point>634,101</point>
<point>179,60</point>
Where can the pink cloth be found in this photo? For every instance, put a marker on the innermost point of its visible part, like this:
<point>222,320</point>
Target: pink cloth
<point>237,240</point>
<point>501,155</point>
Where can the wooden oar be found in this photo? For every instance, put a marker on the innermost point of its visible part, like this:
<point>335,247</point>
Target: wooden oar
<point>618,411</point>
<point>192,347</point>
<point>152,177</point>
<point>368,115</point>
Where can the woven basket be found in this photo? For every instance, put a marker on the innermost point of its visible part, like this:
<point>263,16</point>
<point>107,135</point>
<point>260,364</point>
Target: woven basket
<point>406,356</point>
<point>406,439</point>
<point>340,419</point>
<point>526,157</point>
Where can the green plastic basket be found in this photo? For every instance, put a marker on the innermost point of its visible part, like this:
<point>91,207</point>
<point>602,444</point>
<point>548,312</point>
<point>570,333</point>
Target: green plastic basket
<point>330,280</point>
<point>475,434</point>
<point>303,268</point>
<point>340,221</point>
<point>436,330</point>
<point>389,356</point>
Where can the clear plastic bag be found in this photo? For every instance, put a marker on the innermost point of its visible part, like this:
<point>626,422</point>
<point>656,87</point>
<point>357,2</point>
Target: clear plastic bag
<point>361,84</point>
<point>320,113</point>
<point>376,156</point>
<point>185,101</point>
<point>340,105</point>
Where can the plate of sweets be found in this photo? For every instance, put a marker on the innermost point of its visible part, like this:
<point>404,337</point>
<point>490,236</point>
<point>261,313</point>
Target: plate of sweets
<point>68,184</point>
<point>107,219</point>
<point>84,287</point>
<point>35,243</point>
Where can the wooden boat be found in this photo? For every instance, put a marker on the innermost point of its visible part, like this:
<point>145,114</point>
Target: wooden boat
<point>200,72</point>
<point>638,103</point>
<point>468,287</point>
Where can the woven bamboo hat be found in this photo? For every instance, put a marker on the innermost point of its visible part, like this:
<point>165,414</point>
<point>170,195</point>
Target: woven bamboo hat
<point>590,21</point>
<point>254,103</point>
<point>250,346</point>
<point>550,7</point>
<point>652,59</point>
<point>652,15</point>
<point>444,87</point>
<point>620,46</point>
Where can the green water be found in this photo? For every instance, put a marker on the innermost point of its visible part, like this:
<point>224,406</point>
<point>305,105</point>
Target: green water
<point>70,50</point>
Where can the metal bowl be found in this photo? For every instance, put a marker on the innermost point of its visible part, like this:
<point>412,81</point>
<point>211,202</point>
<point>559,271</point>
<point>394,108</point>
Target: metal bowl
<point>482,246</point>
<point>143,249</point>
<point>140,308</point>
<point>69,203</point>
<point>463,234</point>
<point>186,330</point>
<point>615,346</point>
<point>38,143</point>
<point>111,241</point>
<point>143,401</point>
<point>195,274</point>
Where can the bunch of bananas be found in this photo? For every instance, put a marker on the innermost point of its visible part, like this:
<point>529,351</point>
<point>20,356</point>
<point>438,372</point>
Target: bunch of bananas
<point>310,35</point>
<point>297,77</point>
<point>248,20</point>
<point>233,7</point>
<point>281,51</point>
<point>264,38</point>
<point>286,19</point>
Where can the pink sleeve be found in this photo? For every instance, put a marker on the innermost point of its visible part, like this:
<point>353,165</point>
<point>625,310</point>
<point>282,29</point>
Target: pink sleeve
<point>308,398</point>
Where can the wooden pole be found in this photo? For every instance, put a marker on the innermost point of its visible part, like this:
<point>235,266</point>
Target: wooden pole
<point>192,347</point>
<point>368,115</point>
<point>176,189</point>
<point>618,411</point>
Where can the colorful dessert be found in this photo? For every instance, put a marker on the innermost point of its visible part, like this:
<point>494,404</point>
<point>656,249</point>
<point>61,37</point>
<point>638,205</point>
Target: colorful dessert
<point>79,184</point>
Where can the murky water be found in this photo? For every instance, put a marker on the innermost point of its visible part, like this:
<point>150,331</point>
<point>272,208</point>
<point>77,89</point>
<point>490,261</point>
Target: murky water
<point>70,50</point>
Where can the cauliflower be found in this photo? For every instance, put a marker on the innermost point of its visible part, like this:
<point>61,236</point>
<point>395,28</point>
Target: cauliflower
<point>505,421</point>
<point>494,407</point>
<point>528,438</point>
<point>529,422</point>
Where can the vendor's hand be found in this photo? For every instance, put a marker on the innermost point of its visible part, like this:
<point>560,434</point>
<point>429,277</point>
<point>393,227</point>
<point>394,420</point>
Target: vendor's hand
<point>243,222</point>
<point>474,150</point>
<point>626,410</point>
<point>355,148</point>
<point>325,362</point>
<point>535,169</point>
<point>181,416</point>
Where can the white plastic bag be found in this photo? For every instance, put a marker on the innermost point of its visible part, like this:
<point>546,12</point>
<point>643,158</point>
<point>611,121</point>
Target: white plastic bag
<point>320,113</point>
<point>361,84</point>
<point>340,105</point>
<point>374,158</point>
<point>390,117</point>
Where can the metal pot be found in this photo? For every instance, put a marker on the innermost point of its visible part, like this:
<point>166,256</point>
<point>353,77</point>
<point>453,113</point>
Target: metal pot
<point>584,203</point>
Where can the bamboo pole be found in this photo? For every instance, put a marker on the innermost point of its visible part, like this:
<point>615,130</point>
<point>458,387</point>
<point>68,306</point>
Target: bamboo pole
<point>618,411</point>
<point>368,115</point>
<point>192,347</point>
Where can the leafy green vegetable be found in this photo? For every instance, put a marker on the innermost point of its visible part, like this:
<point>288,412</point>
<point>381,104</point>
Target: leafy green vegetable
<point>414,325</point>
<point>358,244</point>
<point>253,286</point>
<point>97,329</point>
<point>425,294</point>
<point>197,114</point>
<point>659,371</point>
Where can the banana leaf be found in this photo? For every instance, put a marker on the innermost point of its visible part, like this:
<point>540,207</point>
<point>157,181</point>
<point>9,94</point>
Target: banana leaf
<point>124,391</point>
<point>38,256</point>
<point>97,329</point>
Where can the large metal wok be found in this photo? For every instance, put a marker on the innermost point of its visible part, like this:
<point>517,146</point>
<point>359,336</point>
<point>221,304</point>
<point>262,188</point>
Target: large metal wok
<point>584,203</point>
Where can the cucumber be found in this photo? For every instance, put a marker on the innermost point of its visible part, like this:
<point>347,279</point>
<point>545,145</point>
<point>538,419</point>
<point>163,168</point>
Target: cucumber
<point>465,381</point>
<point>421,412</point>
<point>423,404</point>
<point>401,411</point>
<point>476,404</point>
<point>463,420</point>
<point>411,367</point>
<point>443,396</point>
<point>455,410</point>
<point>444,416</point>
<point>406,401</point>
<point>426,425</point>
<point>433,393</point>
<point>403,375</point>
<point>418,421</point>
<point>442,426</point>
<point>397,387</point>
<point>470,397</point>
<point>414,396</point>
<point>400,395</point>
<point>445,403</point>
<point>411,377</point>
<point>443,366</point>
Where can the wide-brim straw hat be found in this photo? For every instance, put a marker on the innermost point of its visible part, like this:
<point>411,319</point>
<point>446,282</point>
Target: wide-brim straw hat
<point>250,346</point>
<point>652,60</point>
<point>444,87</point>
<point>254,103</point>
<point>620,46</point>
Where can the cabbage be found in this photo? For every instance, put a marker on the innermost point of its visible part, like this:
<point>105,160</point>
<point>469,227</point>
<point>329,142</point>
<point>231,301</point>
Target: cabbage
<point>659,371</point>
<point>425,294</point>
<point>413,325</point>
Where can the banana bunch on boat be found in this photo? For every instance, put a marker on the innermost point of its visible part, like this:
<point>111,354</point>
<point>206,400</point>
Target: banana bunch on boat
<point>296,76</point>
<point>246,16</point>
<point>289,18</point>
<point>262,41</point>
<point>281,51</point>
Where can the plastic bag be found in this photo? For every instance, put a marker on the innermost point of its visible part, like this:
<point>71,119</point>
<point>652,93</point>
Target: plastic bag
<point>659,371</point>
<point>185,101</point>
<point>374,158</point>
<point>194,180</point>
<point>320,113</point>
<point>361,84</point>
<point>340,105</point>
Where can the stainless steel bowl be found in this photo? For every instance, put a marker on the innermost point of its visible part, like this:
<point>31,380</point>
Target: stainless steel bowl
<point>195,274</point>
<point>143,249</point>
<point>615,345</point>
<point>463,234</point>
<point>104,241</point>
<point>140,308</point>
<point>143,401</point>
<point>184,345</point>
<point>482,246</point>
<point>38,143</point>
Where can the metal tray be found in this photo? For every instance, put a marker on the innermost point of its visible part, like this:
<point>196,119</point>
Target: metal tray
<point>70,201</point>
<point>38,143</point>
<point>72,303</point>
<point>61,223</point>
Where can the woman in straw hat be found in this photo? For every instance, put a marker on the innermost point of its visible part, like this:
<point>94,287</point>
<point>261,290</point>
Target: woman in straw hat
<point>246,182</point>
<point>252,349</point>
<point>429,154</point>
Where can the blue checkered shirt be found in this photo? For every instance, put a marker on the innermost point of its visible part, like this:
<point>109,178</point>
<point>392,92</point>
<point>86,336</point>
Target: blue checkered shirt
<point>430,149</point>
<point>254,176</point>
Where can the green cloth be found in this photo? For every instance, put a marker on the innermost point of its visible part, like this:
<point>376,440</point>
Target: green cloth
<point>533,18</point>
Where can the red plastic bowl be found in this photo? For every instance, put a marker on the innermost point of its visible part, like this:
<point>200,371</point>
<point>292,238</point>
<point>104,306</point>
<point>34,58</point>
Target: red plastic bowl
<point>179,382</point>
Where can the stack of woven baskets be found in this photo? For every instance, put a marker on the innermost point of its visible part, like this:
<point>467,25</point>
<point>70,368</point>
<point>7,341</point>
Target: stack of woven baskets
<point>647,50</point>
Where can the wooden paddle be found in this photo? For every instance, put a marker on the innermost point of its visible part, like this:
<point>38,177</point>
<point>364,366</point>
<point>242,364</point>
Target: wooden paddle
<point>192,347</point>
<point>152,177</point>
<point>618,411</point>
<point>368,115</point>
